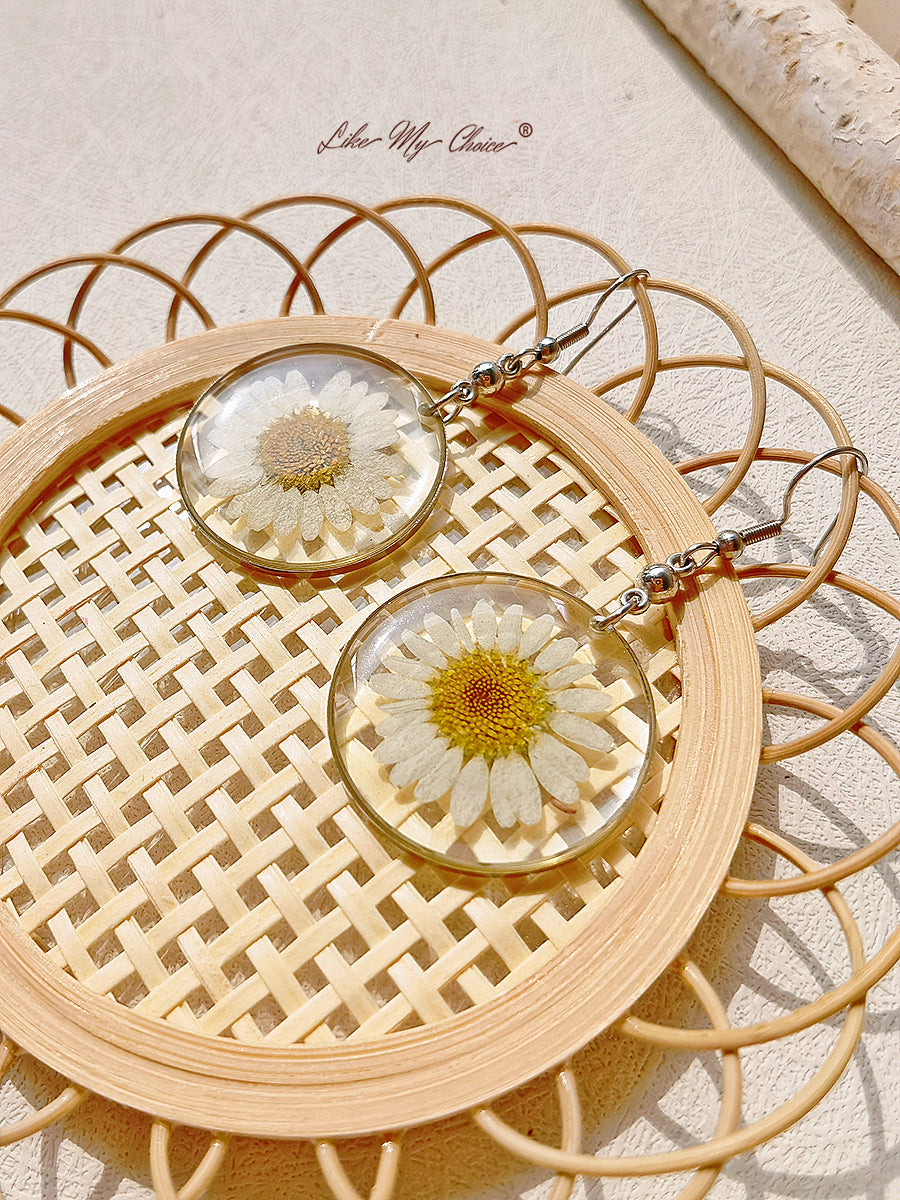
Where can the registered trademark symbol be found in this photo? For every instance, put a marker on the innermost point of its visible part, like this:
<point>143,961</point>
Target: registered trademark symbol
<point>525,130</point>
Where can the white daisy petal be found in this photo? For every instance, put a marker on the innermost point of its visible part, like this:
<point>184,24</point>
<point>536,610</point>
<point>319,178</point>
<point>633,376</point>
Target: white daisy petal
<point>412,740</point>
<point>377,399</point>
<point>538,633</point>
<point>440,778</point>
<point>411,769</point>
<point>412,668</point>
<point>583,700</point>
<point>296,385</point>
<point>484,625</point>
<point>426,651</point>
<point>376,483</point>
<point>371,437</point>
<point>288,516</point>
<point>556,654</point>
<point>334,388</point>
<point>396,687</point>
<point>442,635</point>
<point>501,800</point>
<point>469,795</point>
<point>373,417</point>
<point>398,721</point>
<point>234,462</point>
<point>234,485</point>
<point>379,465</point>
<point>581,732</point>
<point>336,510</point>
<point>514,779</point>
<point>413,706</point>
<point>566,794</point>
<point>551,760</point>
<point>461,629</point>
<point>261,505</point>
<point>567,675</point>
<point>348,402</point>
<point>369,406</point>
<point>357,493</point>
<point>223,436</point>
<point>239,433</point>
<point>366,426</point>
<point>311,516</point>
<point>509,629</point>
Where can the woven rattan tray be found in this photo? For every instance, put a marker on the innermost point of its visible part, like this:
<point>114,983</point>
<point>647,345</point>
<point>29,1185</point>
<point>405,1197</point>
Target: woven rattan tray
<point>154,744</point>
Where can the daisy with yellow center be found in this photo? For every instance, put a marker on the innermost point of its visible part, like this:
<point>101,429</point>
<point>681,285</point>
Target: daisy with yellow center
<point>293,461</point>
<point>492,709</point>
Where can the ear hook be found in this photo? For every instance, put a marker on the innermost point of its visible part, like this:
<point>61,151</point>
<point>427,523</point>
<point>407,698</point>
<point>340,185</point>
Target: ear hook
<point>661,582</point>
<point>489,377</point>
<point>628,277</point>
<point>863,464</point>
<point>759,533</point>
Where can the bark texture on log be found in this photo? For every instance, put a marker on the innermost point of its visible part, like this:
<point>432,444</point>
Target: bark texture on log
<point>819,86</point>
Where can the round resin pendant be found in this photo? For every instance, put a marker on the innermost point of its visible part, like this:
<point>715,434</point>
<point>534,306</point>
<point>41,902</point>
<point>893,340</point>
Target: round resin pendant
<point>311,459</point>
<point>478,721</point>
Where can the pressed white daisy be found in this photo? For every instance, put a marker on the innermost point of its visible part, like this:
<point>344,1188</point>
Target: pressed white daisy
<point>490,711</point>
<point>292,461</point>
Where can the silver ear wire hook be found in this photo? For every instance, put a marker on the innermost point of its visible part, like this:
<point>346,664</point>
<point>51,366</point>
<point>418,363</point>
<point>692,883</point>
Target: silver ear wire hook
<point>489,377</point>
<point>628,277</point>
<point>661,582</point>
<point>863,464</point>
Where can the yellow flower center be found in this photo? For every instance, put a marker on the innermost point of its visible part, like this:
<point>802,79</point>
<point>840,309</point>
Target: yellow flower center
<point>304,449</point>
<point>488,703</point>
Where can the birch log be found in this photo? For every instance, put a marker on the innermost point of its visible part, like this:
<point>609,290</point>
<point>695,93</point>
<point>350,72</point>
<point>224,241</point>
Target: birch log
<point>819,86</point>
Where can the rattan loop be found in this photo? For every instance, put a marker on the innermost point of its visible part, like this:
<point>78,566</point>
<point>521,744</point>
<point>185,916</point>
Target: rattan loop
<point>565,1162</point>
<point>202,1175</point>
<point>339,1181</point>
<point>849,864</point>
<point>9,415</point>
<point>572,1128</point>
<point>877,689</point>
<point>851,992</point>
<point>66,1102</point>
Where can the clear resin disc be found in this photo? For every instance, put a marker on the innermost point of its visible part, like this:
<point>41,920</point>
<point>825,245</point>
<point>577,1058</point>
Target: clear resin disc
<point>311,459</point>
<point>478,721</point>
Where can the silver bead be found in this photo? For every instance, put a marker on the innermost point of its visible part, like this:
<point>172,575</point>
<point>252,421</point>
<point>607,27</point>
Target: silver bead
<point>660,581</point>
<point>730,543</point>
<point>547,350</point>
<point>488,378</point>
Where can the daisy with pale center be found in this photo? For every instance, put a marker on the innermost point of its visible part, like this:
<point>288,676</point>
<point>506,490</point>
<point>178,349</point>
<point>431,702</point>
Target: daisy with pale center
<point>293,461</point>
<point>491,711</point>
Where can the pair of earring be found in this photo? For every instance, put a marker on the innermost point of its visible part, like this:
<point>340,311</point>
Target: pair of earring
<point>489,722</point>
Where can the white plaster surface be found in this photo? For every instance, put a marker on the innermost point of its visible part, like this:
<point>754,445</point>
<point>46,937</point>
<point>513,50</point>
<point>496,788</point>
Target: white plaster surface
<point>113,114</point>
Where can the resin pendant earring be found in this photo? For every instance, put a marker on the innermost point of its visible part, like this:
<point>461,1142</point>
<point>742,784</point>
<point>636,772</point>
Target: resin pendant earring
<point>480,722</point>
<point>315,459</point>
<point>311,459</point>
<point>499,725</point>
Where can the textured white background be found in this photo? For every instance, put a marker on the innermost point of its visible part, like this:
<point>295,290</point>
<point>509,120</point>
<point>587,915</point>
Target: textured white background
<point>114,114</point>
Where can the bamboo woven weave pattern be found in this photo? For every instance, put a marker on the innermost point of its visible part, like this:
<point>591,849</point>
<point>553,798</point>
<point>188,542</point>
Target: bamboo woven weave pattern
<point>174,833</point>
